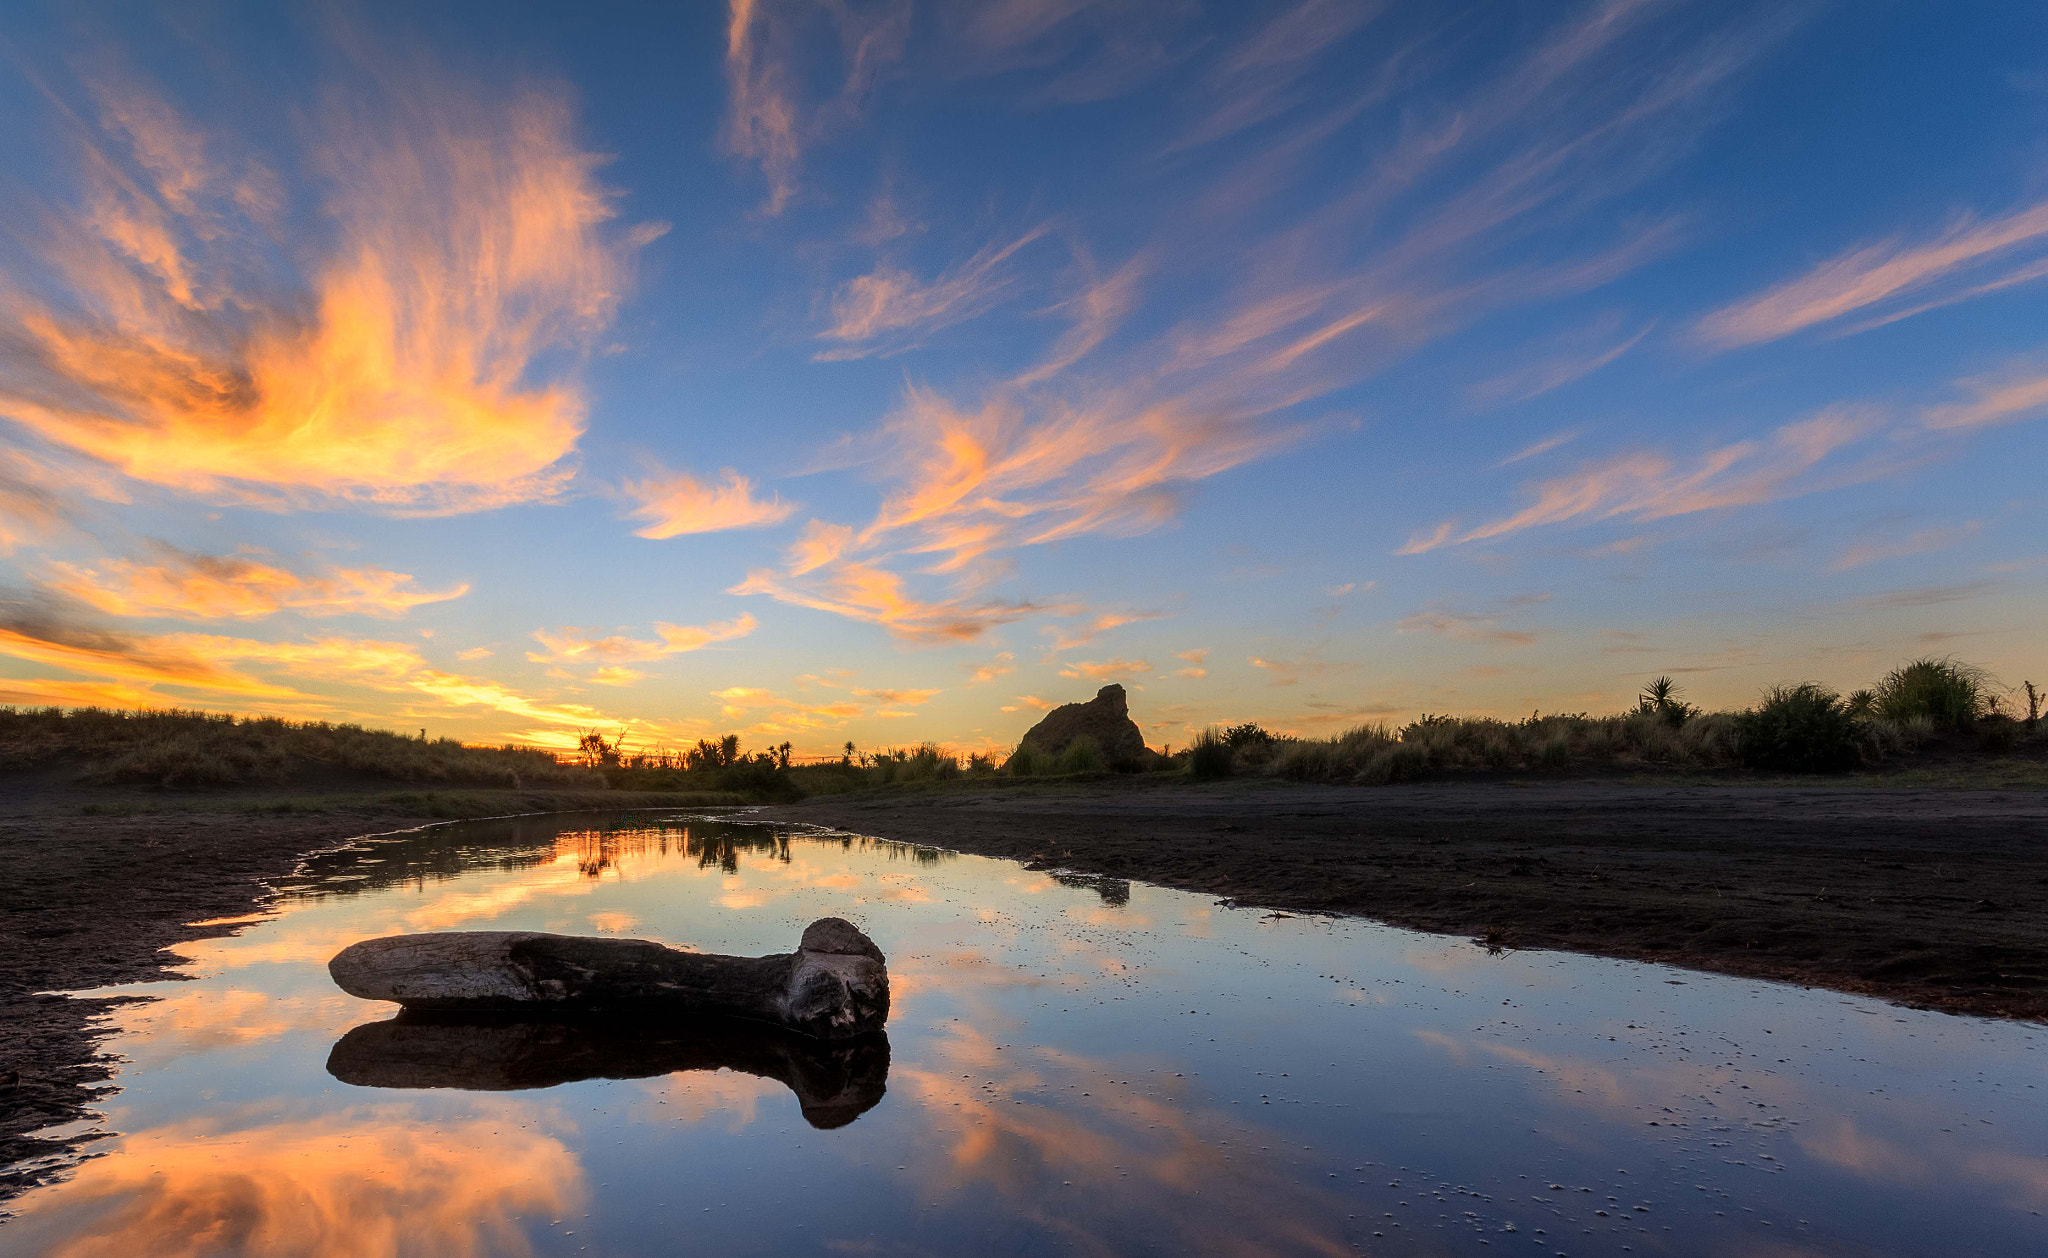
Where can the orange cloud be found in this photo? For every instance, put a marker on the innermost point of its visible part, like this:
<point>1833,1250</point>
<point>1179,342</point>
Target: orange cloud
<point>1108,670</point>
<point>399,368</point>
<point>216,587</point>
<point>1033,702</point>
<point>576,644</point>
<point>1001,666</point>
<point>1195,669</point>
<point>678,504</point>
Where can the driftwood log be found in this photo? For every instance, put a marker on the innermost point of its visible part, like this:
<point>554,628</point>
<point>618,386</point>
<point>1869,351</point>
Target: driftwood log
<point>834,986</point>
<point>835,1082</point>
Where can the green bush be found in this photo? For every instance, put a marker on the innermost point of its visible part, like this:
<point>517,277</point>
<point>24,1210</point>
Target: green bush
<point>1799,729</point>
<point>1946,691</point>
<point>1210,757</point>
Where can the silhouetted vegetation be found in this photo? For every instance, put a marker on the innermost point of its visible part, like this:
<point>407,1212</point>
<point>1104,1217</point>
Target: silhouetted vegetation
<point>1799,729</point>
<point>183,749</point>
<point>1796,728</point>
<point>1211,756</point>
<point>1950,694</point>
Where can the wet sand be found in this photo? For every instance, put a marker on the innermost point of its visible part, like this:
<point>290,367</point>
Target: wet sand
<point>1930,898</point>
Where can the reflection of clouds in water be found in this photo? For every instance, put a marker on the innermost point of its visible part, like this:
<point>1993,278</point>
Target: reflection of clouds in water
<point>614,923</point>
<point>1085,1169</point>
<point>1625,1093</point>
<point>2020,1180</point>
<point>731,1098</point>
<point>355,1184</point>
<point>204,1019</point>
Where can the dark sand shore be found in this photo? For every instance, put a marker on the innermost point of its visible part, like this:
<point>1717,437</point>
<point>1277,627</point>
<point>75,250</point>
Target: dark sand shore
<point>1932,898</point>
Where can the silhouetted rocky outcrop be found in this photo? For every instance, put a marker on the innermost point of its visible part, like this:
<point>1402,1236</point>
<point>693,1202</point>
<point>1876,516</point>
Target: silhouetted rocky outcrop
<point>1106,719</point>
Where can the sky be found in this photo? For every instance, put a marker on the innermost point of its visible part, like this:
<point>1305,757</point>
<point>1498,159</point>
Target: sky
<point>887,370</point>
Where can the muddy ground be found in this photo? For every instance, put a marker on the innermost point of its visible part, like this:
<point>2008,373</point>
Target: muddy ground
<point>1937,899</point>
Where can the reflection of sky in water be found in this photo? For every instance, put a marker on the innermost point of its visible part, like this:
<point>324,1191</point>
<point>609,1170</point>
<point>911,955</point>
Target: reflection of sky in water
<point>1080,1066</point>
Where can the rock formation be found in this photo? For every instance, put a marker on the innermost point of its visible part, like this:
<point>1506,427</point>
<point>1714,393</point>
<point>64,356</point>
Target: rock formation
<point>834,986</point>
<point>835,1082</point>
<point>1106,719</point>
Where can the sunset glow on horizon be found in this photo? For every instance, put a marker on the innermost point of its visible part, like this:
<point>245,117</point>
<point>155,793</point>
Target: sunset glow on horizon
<point>887,371</point>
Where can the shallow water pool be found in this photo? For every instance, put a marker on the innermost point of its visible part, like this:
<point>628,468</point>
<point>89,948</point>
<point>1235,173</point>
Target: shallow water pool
<point>1073,1065</point>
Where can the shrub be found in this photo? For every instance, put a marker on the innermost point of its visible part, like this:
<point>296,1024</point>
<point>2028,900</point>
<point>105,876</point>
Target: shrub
<point>1947,691</point>
<point>1664,699</point>
<point>1083,755</point>
<point>1799,729</point>
<point>1026,762</point>
<point>1396,762</point>
<point>1246,735</point>
<point>1211,756</point>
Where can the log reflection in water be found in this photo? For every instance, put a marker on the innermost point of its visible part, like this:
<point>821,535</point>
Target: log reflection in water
<point>835,1081</point>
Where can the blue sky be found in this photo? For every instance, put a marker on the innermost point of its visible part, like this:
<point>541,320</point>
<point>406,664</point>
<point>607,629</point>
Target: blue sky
<point>888,371</point>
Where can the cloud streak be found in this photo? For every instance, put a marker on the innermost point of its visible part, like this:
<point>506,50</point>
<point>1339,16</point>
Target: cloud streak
<point>1646,486</point>
<point>190,586</point>
<point>578,645</point>
<point>1869,275</point>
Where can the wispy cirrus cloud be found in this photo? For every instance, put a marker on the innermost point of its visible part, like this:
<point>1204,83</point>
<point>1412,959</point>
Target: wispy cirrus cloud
<point>190,586</point>
<point>889,310</point>
<point>1867,277</point>
<point>1196,667</point>
<point>1032,702</point>
<point>771,119</point>
<point>1918,542</point>
<point>1464,627</point>
<point>399,366</point>
<point>1560,368</point>
<point>673,504</point>
<point>572,644</point>
<point>1111,428</point>
<point>1067,637</point>
<point>1260,78</point>
<point>2018,394</point>
<point>1648,486</point>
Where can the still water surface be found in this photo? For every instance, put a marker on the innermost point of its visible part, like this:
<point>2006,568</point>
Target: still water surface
<point>1072,1065</point>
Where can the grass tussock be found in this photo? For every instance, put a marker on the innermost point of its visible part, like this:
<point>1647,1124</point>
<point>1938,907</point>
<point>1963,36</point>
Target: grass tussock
<point>182,749</point>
